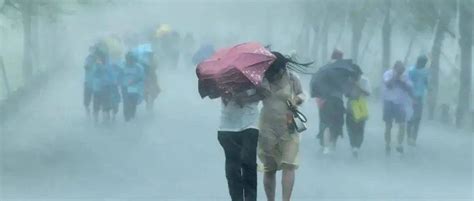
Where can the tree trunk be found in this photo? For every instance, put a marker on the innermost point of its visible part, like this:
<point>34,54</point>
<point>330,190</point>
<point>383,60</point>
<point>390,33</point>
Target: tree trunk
<point>27,45</point>
<point>386,37</point>
<point>465,43</point>
<point>302,42</point>
<point>324,39</point>
<point>5,77</point>
<point>315,48</point>
<point>435,57</point>
<point>366,46</point>
<point>341,32</point>
<point>357,27</point>
<point>410,46</point>
<point>34,37</point>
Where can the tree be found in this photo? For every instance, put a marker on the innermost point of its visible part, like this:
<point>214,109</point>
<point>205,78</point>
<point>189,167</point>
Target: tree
<point>359,14</point>
<point>30,11</point>
<point>386,35</point>
<point>333,13</point>
<point>434,16</point>
<point>443,14</point>
<point>465,43</point>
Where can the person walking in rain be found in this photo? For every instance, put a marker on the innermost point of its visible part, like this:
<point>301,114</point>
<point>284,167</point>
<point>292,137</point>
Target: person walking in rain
<point>278,140</point>
<point>116,76</point>
<point>89,68</point>
<point>419,77</point>
<point>103,88</point>
<point>132,85</point>
<point>329,85</point>
<point>238,136</point>
<point>151,88</point>
<point>357,112</point>
<point>397,104</point>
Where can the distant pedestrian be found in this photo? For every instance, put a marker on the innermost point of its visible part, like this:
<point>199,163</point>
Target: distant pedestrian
<point>357,112</point>
<point>102,88</point>
<point>117,75</point>
<point>397,103</point>
<point>419,77</point>
<point>328,86</point>
<point>132,85</point>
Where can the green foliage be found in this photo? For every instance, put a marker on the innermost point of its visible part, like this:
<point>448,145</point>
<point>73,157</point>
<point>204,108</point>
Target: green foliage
<point>50,9</point>
<point>423,15</point>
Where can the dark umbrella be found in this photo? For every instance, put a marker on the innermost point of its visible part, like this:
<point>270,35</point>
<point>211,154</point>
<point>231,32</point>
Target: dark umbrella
<point>331,79</point>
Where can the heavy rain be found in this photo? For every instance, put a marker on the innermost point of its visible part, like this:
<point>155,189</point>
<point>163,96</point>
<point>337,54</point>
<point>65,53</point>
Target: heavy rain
<point>242,100</point>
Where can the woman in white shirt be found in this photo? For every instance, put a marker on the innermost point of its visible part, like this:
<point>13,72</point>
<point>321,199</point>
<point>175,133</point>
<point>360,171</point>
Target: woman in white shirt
<point>238,136</point>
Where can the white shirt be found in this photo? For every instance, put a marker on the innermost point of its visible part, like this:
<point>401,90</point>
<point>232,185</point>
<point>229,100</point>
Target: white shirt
<point>395,94</point>
<point>235,118</point>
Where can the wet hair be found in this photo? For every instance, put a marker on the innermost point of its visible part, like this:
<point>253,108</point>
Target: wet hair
<point>283,62</point>
<point>421,61</point>
<point>399,65</point>
<point>278,65</point>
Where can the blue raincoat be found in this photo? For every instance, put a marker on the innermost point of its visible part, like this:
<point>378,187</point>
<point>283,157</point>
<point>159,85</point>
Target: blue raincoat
<point>133,81</point>
<point>116,74</point>
<point>102,77</point>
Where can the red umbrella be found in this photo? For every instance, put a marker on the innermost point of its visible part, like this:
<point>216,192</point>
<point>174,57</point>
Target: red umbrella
<point>233,69</point>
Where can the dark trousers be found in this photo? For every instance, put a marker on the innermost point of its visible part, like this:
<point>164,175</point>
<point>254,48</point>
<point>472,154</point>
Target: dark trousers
<point>355,131</point>
<point>87,95</point>
<point>130,102</point>
<point>240,163</point>
<point>414,123</point>
<point>331,116</point>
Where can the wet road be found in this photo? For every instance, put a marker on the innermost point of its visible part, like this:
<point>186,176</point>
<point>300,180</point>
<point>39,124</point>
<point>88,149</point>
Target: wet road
<point>50,151</point>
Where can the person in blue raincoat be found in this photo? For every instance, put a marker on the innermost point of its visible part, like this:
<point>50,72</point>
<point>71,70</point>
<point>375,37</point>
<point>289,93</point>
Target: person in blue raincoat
<point>418,76</point>
<point>103,82</point>
<point>117,74</point>
<point>151,87</point>
<point>132,85</point>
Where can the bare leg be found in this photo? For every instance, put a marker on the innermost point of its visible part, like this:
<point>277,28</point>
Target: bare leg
<point>388,136</point>
<point>327,141</point>
<point>288,181</point>
<point>269,183</point>
<point>401,134</point>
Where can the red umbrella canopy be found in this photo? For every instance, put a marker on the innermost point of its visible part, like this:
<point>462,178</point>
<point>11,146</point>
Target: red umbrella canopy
<point>233,69</point>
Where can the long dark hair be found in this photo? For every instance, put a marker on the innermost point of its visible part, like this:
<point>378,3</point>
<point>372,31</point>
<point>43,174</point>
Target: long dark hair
<point>284,62</point>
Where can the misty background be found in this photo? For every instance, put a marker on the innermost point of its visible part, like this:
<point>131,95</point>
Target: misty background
<point>51,151</point>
